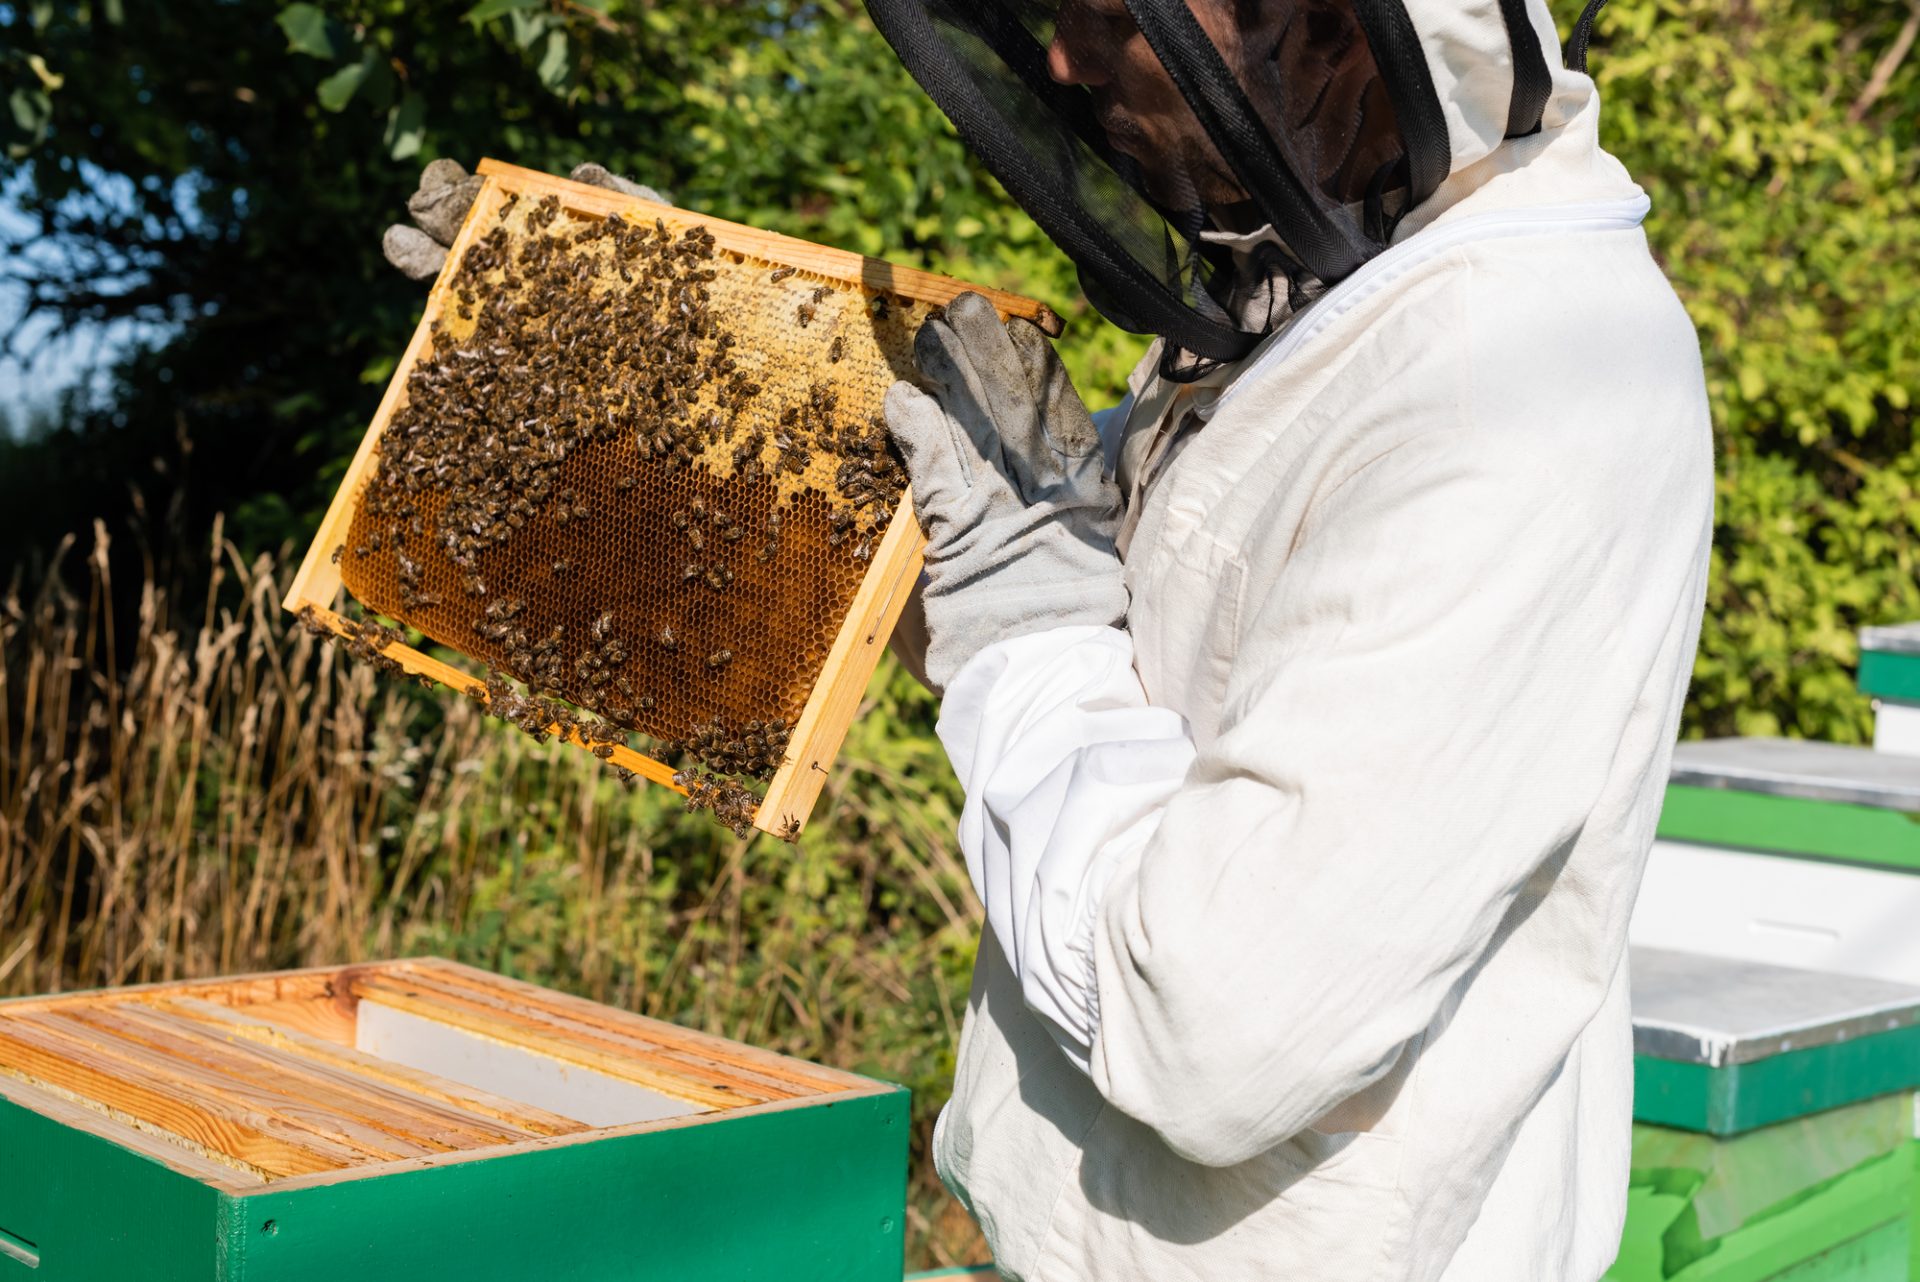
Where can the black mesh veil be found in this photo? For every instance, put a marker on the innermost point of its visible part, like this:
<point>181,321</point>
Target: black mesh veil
<point>1207,164</point>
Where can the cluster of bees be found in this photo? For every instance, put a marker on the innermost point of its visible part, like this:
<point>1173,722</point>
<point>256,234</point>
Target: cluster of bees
<point>546,718</point>
<point>367,640</point>
<point>731,804</point>
<point>755,749</point>
<point>551,368</point>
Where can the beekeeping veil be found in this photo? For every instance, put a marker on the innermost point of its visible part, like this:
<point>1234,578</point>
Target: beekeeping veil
<point>1210,165</point>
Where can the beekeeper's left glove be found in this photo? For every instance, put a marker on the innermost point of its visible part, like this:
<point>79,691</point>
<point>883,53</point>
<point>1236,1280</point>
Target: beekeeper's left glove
<point>447,192</point>
<point>1008,483</point>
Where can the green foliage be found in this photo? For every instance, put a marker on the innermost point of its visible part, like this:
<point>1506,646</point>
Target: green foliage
<point>1786,208</point>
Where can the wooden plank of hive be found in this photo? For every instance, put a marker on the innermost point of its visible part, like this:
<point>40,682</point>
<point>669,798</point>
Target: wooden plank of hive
<point>328,1020</point>
<point>397,1111</point>
<point>308,984</point>
<point>884,589</point>
<point>110,1038</point>
<point>808,1078</point>
<point>89,1072</point>
<point>268,1031</point>
<point>330,1107</point>
<point>742,1085</point>
<point>193,1161</point>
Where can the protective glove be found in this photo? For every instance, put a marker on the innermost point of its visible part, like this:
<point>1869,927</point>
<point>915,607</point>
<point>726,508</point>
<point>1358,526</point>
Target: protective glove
<point>446,194</point>
<point>1008,482</point>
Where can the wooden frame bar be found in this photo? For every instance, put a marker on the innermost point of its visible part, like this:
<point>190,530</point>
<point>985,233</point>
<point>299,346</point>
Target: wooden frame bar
<point>889,579</point>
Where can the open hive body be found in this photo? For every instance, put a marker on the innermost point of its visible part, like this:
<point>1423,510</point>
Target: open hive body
<point>636,458</point>
<point>446,1109</point>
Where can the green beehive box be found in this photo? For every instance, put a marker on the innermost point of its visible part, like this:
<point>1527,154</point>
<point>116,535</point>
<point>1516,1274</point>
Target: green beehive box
<point>1774,1123</point>
<point>420,1120</point>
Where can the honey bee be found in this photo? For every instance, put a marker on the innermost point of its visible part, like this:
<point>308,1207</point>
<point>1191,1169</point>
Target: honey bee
<point>836,350</point>
<point>781,273</point>
<point>719,659</point>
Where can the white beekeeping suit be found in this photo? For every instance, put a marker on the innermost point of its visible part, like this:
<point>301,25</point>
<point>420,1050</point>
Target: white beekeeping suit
<point>1308,881</point>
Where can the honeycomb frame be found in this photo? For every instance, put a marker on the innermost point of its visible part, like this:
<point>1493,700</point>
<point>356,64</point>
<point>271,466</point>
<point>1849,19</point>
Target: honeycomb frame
<point>883,589</point>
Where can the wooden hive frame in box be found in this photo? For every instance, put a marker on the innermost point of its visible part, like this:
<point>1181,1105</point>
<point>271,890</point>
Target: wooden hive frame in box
<point>408,1121</point>
<point>882,592</point>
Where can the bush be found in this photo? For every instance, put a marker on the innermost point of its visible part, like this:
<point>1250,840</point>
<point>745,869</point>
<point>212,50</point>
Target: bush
<point>1783,173</point>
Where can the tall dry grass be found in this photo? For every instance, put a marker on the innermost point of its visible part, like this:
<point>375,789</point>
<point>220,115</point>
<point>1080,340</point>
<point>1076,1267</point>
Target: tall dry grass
<point>192,795</point>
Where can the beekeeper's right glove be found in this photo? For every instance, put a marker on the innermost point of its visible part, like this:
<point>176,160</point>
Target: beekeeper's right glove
<point>440,206</point>
<point>1008,483</point>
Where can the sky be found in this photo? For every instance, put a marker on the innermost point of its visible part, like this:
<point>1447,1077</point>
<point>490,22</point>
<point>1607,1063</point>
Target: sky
<point>56,364</point>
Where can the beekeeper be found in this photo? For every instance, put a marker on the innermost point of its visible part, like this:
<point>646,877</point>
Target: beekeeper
<point>1314,709</point>
<point>1313,732</point>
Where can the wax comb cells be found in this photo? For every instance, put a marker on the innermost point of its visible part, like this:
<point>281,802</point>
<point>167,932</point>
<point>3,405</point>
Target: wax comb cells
<point>633,464</point>
<point>639,472</point>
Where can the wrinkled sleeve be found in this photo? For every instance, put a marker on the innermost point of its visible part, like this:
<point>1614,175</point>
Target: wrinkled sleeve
<point>1066,768</point>
<point>1425,705</point>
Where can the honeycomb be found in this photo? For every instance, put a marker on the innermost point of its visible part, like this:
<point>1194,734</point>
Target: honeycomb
<point>639,473</point>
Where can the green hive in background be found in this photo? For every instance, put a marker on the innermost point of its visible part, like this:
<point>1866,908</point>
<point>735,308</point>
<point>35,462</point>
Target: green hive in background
<point>1775,1138</point>
<point>1777,1006</point>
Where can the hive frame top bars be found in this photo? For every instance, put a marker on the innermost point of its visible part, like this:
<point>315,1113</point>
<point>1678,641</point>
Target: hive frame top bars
<point>883,590</point>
